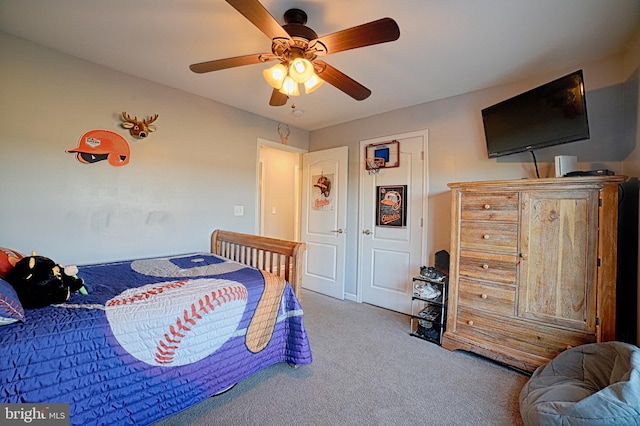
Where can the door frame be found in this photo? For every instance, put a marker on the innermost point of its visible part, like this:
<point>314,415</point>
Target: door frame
<point>425,196</point>
<point>258,219</point>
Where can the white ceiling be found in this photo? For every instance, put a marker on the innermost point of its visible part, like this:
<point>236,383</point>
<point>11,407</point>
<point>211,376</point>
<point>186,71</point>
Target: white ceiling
<point>446,47</point>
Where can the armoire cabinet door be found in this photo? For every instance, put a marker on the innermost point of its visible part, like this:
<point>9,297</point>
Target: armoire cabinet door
<point>558,258</point>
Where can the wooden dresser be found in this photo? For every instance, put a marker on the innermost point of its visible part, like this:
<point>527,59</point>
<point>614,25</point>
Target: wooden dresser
<point>533,267</point>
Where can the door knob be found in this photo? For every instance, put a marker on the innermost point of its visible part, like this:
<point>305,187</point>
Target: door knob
<point>366,232</point>
<point>339,230</point>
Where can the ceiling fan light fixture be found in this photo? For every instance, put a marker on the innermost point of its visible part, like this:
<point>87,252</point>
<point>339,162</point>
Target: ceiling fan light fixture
<point>275,75</point>
<point>301,70</point>
<point>312,84</point>
<point>289,87</point>
<point>294,41</point>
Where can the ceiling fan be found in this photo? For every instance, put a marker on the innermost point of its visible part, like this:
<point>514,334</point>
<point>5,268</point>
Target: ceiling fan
<point>297,47</point>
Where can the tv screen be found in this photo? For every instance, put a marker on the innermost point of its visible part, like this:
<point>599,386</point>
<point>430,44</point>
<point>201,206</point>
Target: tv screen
<point>551,114</point>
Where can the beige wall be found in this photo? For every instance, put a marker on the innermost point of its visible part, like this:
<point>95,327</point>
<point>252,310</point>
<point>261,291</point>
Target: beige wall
<point>181,183</point>
<point>457,149</point>
<point>280,169</point>
<point>631,73</point>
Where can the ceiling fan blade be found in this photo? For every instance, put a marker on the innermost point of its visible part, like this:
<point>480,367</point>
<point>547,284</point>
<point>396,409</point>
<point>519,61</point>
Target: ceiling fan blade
<point>375,32</point>
<point>277,98</point>
<point>255,12</point>
<point>343,82</point>
<point>221,64</point>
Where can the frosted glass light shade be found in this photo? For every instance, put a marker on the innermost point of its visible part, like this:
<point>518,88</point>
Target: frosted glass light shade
<point>300,70</point>
<point>312,84</point>
<point>289,87</point>
<point>275,75</point>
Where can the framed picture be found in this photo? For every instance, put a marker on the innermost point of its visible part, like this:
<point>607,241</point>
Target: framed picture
<point>392,206</point>
<point>389,152</point>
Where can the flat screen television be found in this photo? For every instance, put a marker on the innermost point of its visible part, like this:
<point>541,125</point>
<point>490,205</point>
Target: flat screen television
<point>551,114</point>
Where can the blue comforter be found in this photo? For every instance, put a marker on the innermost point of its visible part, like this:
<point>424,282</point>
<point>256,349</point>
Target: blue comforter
<point>153,337</point>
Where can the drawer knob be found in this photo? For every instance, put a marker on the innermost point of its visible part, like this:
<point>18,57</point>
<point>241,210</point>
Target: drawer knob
<point>487,206</point>
<point>484,296</point>
<point>470,322</point>
<point>523,255</point>
<point>485,266</point>
<point>485,236</point>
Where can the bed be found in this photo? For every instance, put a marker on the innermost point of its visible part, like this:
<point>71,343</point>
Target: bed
<point>155,336</point>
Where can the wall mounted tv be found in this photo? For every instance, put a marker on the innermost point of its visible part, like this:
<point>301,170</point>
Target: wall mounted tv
<point>551,114</point>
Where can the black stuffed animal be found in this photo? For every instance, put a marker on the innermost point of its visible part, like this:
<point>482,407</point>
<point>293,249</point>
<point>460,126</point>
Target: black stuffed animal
<point>39,281</point>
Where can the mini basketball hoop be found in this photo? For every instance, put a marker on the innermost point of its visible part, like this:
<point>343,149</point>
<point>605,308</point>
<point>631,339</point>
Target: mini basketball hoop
<point>373,165</point>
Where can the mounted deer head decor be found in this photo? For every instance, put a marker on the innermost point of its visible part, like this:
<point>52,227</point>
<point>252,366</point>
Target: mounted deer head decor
<point>284,132</point>
<point>139,129</point>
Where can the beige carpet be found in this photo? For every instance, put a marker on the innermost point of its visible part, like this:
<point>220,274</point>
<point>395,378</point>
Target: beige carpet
<point>367,370</point>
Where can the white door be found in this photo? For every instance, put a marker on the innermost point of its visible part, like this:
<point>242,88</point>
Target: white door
<point>392,255</point>
<point>324,216</point>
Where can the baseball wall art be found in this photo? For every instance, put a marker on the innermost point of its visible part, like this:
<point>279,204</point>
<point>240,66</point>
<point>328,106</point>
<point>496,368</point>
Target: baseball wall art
<point>392,206</point>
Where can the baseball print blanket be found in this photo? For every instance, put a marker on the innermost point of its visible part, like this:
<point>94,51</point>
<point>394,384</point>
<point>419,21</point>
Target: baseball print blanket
<point>152,338</point>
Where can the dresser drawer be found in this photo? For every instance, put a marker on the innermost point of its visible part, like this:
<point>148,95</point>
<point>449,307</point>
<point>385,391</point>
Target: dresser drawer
<point>486,297</point>
<point>515,333</point>
<point>488,266</point>
<point>492,207</point>
<point>489,236</point>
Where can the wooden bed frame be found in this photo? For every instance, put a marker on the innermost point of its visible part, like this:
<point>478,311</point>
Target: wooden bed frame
<point>280,257</point>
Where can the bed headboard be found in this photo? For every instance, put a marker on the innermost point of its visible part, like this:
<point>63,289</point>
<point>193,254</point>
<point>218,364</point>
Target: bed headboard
<point>280,257</point>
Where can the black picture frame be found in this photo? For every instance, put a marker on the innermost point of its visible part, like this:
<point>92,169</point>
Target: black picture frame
<point>391,206</point>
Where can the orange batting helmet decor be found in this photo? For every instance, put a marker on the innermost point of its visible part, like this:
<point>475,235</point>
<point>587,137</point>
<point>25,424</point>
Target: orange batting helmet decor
<point>98,145</point>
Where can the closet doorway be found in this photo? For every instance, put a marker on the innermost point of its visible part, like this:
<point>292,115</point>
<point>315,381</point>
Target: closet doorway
<point>278,175</point>
<point>393,243</point>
